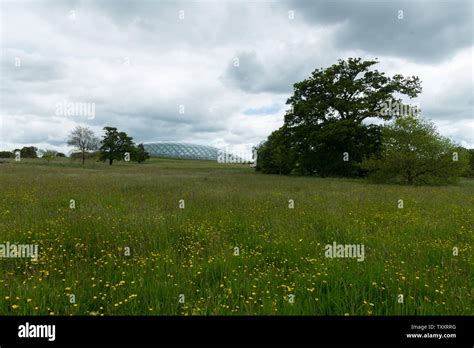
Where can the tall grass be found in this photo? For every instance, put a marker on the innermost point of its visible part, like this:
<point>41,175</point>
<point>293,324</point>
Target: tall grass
<point>191,251</point>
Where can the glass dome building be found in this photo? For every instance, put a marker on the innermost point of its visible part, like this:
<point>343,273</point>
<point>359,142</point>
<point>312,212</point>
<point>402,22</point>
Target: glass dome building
<point>182,151</point>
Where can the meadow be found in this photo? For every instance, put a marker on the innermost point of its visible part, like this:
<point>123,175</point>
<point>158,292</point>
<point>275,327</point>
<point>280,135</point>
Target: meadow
<point>236,248</point>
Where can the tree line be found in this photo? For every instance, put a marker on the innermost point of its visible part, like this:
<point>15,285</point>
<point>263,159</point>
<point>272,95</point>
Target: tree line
<point>32,152</point>
<point>326,133</point>
<point>114,146</point>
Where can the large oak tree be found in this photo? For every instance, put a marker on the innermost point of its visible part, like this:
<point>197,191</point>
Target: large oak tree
<point>325,119</point>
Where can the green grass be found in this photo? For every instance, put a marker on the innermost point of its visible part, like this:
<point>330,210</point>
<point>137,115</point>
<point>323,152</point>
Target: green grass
<point>190,251</point>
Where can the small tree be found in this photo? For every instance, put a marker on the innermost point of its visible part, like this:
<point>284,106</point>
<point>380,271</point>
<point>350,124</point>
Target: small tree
<point>48,155</point>
<point>84,140</point>
<point>139,154</point>
<point>114,145</point>
<point>414,153</point>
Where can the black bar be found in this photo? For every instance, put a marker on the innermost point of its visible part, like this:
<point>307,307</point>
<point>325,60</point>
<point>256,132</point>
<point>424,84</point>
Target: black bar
<point>391,330</point>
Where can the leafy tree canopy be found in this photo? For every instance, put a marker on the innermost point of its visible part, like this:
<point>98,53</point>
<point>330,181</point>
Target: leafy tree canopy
<point>323,129</point>
<point>115,144</point>
<point>139,154</point>
<point>347,90</point>
<point>413,153</point>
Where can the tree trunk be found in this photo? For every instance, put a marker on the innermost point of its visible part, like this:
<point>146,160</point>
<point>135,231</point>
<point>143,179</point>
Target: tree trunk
<point>110,161</point>
<point>83,157</point>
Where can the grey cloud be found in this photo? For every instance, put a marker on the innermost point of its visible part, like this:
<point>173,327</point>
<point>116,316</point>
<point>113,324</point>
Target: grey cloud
<point>430,31</point>
<point>21,66</point>
<point>246,72</point>
<point>263,75</point>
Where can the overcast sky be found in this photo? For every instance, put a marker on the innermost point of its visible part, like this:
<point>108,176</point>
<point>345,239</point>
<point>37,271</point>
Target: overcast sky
<point>229,66</point>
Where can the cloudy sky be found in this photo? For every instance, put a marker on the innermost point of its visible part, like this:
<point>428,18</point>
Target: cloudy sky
<point>215,73</point>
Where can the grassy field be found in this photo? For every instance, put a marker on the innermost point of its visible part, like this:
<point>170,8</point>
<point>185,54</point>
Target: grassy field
<point>280,268</point>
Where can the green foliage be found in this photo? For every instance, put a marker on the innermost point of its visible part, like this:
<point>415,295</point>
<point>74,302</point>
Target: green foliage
<point>115,144</point>
<point>347,90</point>
<point>471,163</point>
<point>414,153</point>
<point>337,148</point>
<point>48,155</point>
<point>275,156</point>
<point>139,154</point>
<point>326,120</point>
<point>92,155</point>
<point>29,152</point>
<point>6,154</point>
